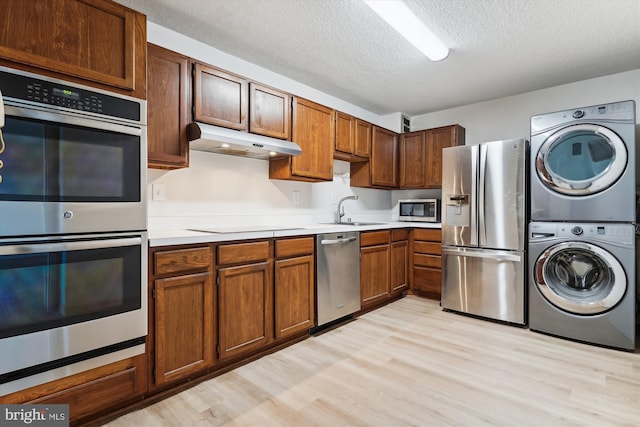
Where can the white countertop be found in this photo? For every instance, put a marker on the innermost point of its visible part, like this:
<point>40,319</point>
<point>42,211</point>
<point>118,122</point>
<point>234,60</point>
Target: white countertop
<point>183,236</point>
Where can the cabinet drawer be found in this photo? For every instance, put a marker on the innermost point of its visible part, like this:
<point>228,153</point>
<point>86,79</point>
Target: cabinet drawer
<point>293,247</point>
<point>371,238</point>
<point>243,252</point>
<point>427,279</point>
<point>182,260</point>
<point>431,234</point>
<point>423,260</point>
<point>399,234</point>
<point>427,248</point>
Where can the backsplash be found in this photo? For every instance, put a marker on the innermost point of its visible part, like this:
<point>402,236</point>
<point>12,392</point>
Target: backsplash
<point>225,190</point>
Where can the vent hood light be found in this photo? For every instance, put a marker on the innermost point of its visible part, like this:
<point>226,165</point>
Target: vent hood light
<point>400,17</point>
<point>215,139</point>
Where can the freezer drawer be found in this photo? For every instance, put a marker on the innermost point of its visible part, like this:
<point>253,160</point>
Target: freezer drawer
<point>483,282</point>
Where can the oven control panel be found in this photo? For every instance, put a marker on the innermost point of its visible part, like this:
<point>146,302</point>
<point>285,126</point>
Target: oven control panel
<point>57,93</point>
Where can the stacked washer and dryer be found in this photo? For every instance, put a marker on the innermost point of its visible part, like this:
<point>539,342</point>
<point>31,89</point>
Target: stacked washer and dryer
<point>582,240</point>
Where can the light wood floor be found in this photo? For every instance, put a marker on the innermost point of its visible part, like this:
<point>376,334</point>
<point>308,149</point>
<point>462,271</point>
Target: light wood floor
<point>410,363</point>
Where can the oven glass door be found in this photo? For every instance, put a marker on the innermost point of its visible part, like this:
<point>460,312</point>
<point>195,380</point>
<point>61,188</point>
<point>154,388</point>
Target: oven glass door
<point>57,158</point>
<point>45,285</point>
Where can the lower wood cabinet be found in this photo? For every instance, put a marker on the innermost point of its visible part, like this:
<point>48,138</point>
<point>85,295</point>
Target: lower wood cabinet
<point>374,268</point>
<point>245,297</point>
<point>294,286</point>
<point>399,261</point>
<point>92,392</point>
<point>426,262</point>
<point>245,294</point>
<point>182,333</point>
<point>384,266</point>
<point>184,326</point>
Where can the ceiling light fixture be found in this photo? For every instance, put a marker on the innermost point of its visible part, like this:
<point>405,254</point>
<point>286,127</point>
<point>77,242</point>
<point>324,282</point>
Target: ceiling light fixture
<point>400,17</point>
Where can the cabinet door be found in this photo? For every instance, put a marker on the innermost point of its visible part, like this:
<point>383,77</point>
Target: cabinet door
<point>413,160</point>
<point>269,112</point>
<point>220,98</point>
<point>245,307</point>
<point>91,39</point>
<point>374,274</point>
<point>427,280</point>
<point>399,266</point>
<point>294,301</point>
<point>362,138</point>
<point>167,108</point>
<point>384,158</point>
<point>313,131</point>
<point>184,326</point>
<point>345,133</point>
<point>437,139</point>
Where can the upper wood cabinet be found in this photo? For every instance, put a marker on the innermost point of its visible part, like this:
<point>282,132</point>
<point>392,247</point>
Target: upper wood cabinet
<point>381,171</point>
<point>345,136</point>
<point>220,98</point>
<point>362,138</point>
<point>168,112</point>
<point>413,160</point>
<point>437,139</point>
<point>421,155</point>
<point>313,131</point>
<point>269,112</point>
<point>96,42</point>
<point>353,138</point>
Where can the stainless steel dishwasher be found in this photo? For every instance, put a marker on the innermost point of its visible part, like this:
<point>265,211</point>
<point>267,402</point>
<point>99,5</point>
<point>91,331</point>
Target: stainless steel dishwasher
<point>338,278</point>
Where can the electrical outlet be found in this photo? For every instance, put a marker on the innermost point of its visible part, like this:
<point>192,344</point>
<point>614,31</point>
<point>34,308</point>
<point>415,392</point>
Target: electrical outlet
<point>157,192</point>
<point>295,197</point>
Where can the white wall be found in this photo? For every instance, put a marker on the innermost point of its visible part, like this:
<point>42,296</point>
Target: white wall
<point>509,117</point>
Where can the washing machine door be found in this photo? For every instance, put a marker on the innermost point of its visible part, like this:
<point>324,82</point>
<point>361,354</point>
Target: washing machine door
<point>580,278</point>
<point>581,159</point>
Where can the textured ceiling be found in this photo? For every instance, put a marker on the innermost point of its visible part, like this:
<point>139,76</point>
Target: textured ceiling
<point>498,47</point>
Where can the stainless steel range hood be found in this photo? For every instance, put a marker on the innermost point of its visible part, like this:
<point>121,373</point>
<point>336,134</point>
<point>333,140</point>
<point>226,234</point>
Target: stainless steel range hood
<point>215,139</point>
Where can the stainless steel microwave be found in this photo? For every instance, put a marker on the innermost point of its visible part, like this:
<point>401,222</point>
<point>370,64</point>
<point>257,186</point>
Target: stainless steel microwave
<point>423,210</point>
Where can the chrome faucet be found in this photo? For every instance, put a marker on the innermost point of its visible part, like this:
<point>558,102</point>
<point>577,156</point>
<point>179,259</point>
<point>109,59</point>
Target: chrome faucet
<point>340,211</point>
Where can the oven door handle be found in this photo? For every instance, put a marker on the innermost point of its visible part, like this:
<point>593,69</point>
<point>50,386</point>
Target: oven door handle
<point>38,248</point>
<point>39,113</point>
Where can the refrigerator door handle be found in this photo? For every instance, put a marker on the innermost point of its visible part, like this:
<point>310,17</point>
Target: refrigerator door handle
<point>482,254</point>
<point>482,230</point>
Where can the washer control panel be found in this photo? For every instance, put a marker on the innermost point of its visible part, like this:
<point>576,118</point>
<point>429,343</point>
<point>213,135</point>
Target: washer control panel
<point>615,233</point>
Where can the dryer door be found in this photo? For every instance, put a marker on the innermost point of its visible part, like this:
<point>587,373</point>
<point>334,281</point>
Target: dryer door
<point>580,278</point>
<point>581,159</point>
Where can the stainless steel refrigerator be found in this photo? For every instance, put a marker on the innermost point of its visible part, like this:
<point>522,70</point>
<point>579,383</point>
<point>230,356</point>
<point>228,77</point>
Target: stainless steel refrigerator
<point>483,230</point>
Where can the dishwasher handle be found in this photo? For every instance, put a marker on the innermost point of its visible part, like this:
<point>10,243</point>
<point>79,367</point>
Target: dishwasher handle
<point>337,241</point>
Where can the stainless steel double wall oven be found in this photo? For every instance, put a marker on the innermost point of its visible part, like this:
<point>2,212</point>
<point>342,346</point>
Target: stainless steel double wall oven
<point>73,242</point>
